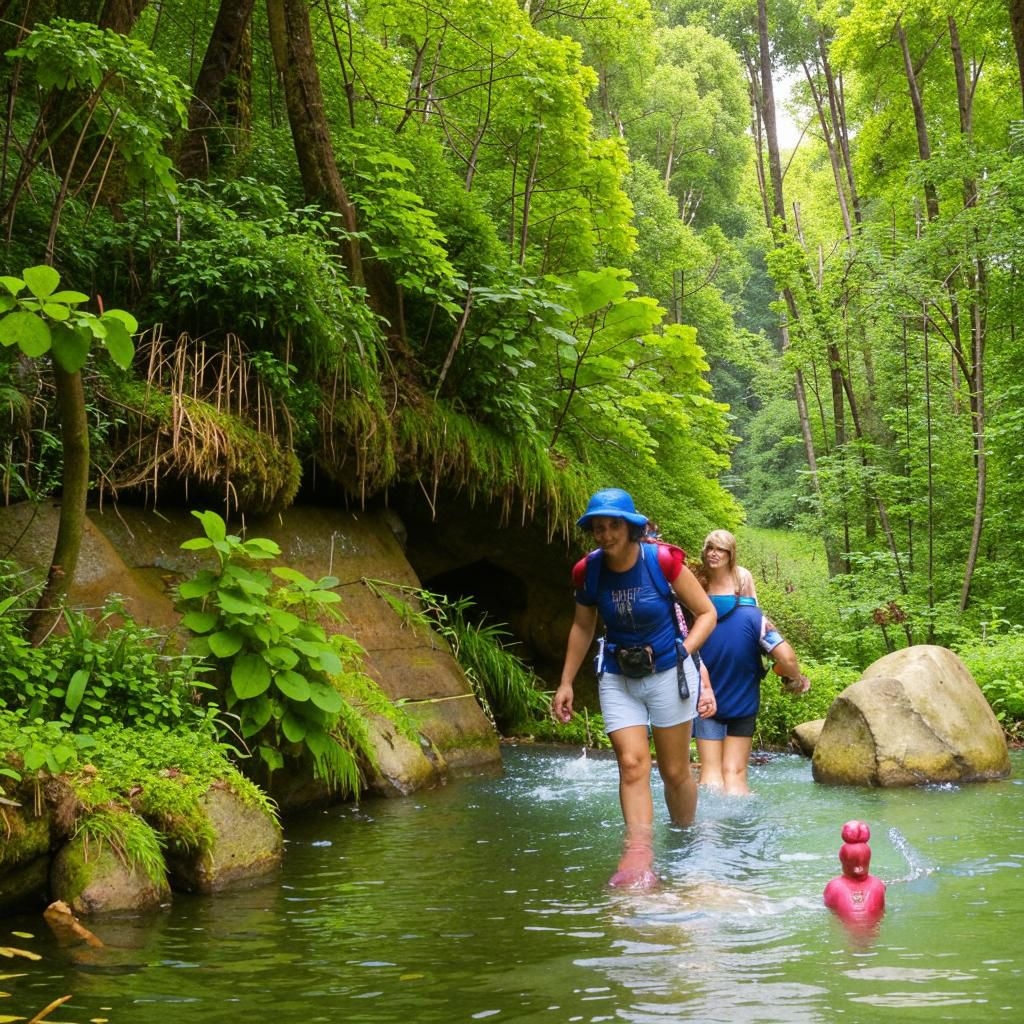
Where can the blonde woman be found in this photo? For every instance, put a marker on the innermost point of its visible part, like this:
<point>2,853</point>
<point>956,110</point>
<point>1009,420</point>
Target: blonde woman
<point>733,657</point>
<point>719,573</point>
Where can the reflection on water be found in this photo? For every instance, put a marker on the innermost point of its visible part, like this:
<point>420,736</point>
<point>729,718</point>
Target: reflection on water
<point>487,900</point>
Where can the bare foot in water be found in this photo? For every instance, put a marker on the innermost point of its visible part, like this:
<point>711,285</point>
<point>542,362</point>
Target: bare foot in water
<point>636,866</point>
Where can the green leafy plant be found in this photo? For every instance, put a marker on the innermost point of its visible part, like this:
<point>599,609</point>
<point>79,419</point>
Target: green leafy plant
<point>283,676</point>
<point>47,320</point>
<point>163,776</point>
<point>99,673</point>
<point>31,745</point>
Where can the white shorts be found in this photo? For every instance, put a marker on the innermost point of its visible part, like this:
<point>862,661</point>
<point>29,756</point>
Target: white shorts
<point>650,700</point>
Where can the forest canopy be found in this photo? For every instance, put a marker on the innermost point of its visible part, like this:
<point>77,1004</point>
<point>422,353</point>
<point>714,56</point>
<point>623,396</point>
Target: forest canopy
<point>522,251</point>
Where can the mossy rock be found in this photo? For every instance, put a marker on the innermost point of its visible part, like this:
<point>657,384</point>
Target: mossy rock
<point>246,845</point>
<point>93,878</point>
<point>26,836</point>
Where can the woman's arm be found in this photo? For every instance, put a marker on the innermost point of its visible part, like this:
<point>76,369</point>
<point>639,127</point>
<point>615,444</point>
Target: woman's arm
<point>788,667</point>
<point>746,582</point>
<point>580,637</point>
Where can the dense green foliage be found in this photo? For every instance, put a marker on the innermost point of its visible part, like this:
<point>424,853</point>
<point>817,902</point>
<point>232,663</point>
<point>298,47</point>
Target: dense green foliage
<point>519,251</point>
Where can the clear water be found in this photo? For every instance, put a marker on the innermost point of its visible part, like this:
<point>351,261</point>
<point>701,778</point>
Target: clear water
<point>486,901</point>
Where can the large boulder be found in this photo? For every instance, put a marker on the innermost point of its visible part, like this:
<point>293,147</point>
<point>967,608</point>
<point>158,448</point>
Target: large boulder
<point>24,850</point>
<point>915,716</point>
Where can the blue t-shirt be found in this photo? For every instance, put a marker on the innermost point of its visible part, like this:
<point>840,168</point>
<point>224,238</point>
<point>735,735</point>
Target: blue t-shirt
<point>633,610</point>
<point>733,657</point>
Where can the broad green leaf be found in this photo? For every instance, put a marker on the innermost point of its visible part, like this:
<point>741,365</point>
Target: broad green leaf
<point>213,526</point>
<point>69,298</point>
<point>284,657</point>
<point>14,285</point>
<point>259,547</point>
<point>42,281</point>
<point>200,622</point>
<point>256,714</point>
<point>200,586</point>
<point>293,728</point>
<point>250,676</point>
<point>292,685</point>
<point>226,643</point>
<point>197,544</point>
<point>26,330</point>
<point>70,347</point>
<point>35,757</point>
<point>235,605</point>
<point>123,317</point>
<point>118,343</point>
<point>284,620</point>
<point>325,697</point>
<point>76,689</point>
<point>329,661</point>
<point>56,311</point>
<point>272,758</point>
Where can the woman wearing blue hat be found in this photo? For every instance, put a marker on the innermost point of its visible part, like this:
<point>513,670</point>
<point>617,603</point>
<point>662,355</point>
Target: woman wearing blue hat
<point>647,676</point>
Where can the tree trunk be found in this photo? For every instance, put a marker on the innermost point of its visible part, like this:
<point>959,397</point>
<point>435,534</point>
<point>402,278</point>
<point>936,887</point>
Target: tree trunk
<point>211,98</point>
<point>1017,28</point>
<point>292,41</point>
<point>771,133</point>
<point>924,150</point>
<point>976,280</point>
<point>74,432</point>
<point>120,15</point>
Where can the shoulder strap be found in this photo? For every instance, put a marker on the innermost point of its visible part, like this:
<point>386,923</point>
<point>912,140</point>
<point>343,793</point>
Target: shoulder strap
<point>657,575</point>
<point>593,573</point>
<point>656,572</point>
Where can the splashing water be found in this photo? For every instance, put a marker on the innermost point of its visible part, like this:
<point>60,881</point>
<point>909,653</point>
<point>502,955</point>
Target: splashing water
<point>916,865</point>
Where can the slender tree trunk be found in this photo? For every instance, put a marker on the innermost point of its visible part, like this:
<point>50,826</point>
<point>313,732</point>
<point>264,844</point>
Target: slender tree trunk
<point>832,149</point>
<point>762,88</point>
<point>976,281</point>
<point>74,432</point>
<point>837,105</point>
<point>292,41</point>
<point>209,95</point>
<point>771,133</point>
<point>924,150</point>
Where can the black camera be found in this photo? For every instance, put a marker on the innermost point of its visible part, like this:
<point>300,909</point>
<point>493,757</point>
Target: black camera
<point>635,662</point>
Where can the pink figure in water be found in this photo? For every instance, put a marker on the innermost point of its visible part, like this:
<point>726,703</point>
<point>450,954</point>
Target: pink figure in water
<point>857,897</point>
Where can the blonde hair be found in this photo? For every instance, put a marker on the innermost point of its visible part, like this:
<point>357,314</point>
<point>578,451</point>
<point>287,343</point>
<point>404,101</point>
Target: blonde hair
<point>724,541</point>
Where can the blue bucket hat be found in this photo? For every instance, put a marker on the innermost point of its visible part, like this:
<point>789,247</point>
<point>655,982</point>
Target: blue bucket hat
<point>614,503</point>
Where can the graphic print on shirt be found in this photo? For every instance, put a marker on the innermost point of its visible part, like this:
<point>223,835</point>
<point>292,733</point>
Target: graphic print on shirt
<point>623,600</point>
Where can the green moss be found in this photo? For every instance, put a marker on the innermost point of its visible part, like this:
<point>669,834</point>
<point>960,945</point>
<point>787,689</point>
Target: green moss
<point>163,777</point>
<point>25,835</point>
<point>134,841</point>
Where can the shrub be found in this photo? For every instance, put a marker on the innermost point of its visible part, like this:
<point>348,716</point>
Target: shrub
<point>289,683</point>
